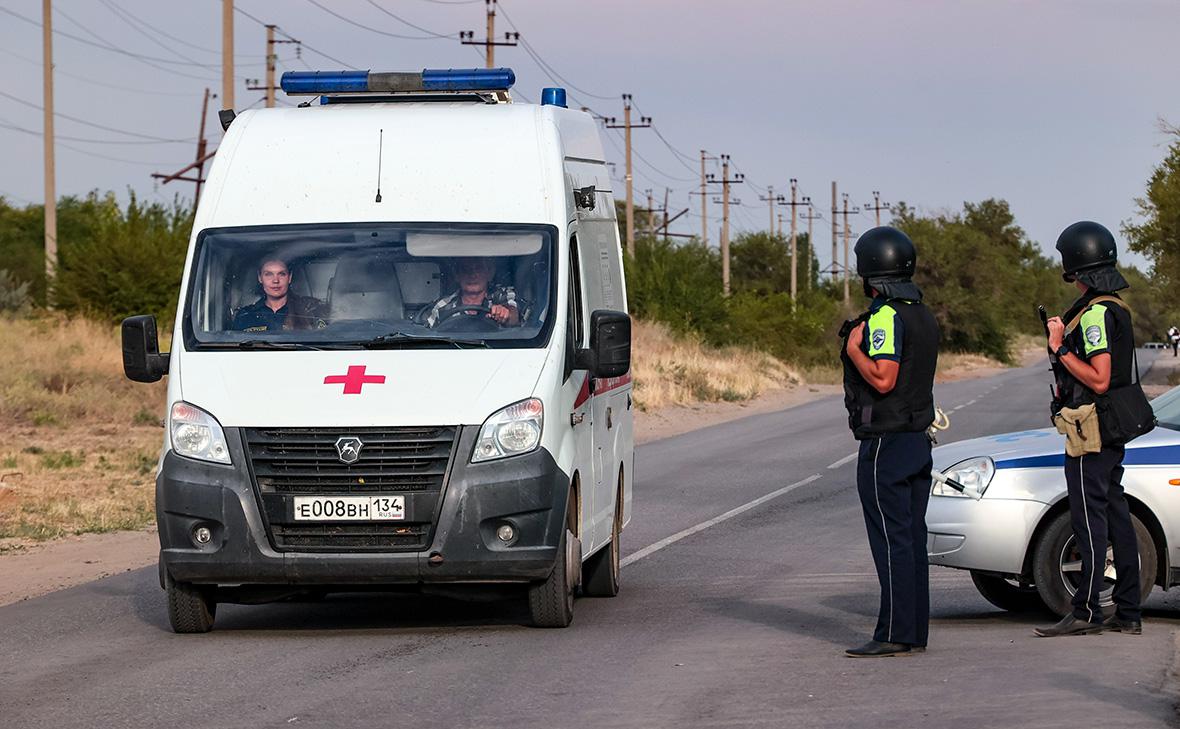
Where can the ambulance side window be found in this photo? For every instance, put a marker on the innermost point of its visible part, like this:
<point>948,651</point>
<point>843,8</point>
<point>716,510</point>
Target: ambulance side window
<point>575,332</point>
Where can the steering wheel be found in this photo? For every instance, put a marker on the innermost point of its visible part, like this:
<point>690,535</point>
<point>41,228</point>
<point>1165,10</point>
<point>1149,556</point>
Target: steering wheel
<point>452,322</point>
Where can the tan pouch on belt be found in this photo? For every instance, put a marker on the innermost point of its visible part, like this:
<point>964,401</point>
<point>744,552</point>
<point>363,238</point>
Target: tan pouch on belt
<point>1080,427</point>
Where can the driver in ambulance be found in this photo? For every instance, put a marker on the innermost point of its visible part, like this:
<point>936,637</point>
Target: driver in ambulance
<point>475,296</point>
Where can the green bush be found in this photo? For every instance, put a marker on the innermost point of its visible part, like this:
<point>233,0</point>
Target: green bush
<point>14,295</point>
<point>130,263</point>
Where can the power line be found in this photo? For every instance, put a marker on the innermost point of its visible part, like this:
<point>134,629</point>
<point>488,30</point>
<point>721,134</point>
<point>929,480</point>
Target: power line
<point>303,44</point>
<point>402,20</point>
<point>399,36</point>
<point>94,81</point>
<point>122,15</point>
<point>176,39</point>
<point>548,69</point>
<point>79,150</point>
<point>19,100</point>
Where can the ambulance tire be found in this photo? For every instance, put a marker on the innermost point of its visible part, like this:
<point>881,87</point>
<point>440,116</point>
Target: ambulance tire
<point>190,609</point>
<point>551,603</point>
<point>600,573</point>
<point>1057,548</point>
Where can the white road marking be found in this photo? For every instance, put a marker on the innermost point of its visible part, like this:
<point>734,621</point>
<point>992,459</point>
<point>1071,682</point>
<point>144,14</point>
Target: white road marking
<point>842,461</point>
<point>969,403</point>
<point>668,541</point>
<point>956,409</point>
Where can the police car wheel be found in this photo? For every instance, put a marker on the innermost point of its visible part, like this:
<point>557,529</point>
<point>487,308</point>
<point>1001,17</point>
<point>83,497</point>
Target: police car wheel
<point>1007,594</point>
<point>551,603</point>
<point>190,609</point>
<point>1057,566</point>
<point>600,574</point>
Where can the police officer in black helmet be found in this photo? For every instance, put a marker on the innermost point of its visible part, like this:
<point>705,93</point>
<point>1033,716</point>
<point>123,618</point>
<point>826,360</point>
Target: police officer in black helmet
<point>889,355</point>
<point>1094,344</point>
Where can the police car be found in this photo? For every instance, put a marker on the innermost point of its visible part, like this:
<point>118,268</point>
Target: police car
<point>1017,541</point>
<point>401,355</point>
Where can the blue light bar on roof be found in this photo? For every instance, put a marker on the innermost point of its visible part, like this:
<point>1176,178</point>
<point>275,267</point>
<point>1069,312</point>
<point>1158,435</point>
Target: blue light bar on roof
<point>315,83</point>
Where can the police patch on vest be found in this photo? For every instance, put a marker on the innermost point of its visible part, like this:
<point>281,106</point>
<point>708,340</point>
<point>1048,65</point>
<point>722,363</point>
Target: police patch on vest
<point>1093,334</point>
<point>878,338</point>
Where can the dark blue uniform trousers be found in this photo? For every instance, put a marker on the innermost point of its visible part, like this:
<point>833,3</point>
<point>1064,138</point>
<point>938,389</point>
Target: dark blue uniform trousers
<point>1098,510</point>
<point>893,478</point>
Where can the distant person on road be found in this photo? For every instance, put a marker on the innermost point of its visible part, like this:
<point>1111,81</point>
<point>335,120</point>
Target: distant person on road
<point>278,309</point>
<point>1096,352</point>
<point>889,358</point>
<point>475,296</point>
<point>1174,340</point>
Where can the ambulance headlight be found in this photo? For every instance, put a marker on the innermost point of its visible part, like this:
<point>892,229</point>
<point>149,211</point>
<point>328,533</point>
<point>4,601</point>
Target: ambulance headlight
<point>510,432</point>
<point>974,473</point>
<point>196,434</point>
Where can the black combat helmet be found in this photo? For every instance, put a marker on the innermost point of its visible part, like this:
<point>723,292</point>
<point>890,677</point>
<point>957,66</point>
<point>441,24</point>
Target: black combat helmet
<point>885,252</point>
<point>885,259</point>
<point>1088,254</point>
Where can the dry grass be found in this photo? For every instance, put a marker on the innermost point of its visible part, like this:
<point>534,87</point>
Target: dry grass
<point>674,370</point>
<point>78,441</point>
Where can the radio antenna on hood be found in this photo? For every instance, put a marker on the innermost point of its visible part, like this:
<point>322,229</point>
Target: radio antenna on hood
<point>380,144</point>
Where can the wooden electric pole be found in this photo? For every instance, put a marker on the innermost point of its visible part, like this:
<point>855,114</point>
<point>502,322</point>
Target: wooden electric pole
<point>877,206</point>
<point>810,217</point>
<point>847,234</point>
<point>835,233</point>
<point>227,54</point>
<point>725,182</point>
<point>271,57</point>
<point>795,203</point>
<point>704,193</point>
<point>467,37</point>
<point>203,155</point>
<point>48,139</point>
<point>627,126</point>
<point>769,200</point>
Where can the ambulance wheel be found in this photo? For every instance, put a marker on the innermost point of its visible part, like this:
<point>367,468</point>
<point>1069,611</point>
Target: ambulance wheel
<point>1007,594</point>
<point>1057,566</point>
<point>190,609</point>
<point>551,603</point>
<point>600,574</point>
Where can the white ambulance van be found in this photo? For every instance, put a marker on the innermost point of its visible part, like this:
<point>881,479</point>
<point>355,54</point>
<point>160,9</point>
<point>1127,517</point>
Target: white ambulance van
<point>401,356</point>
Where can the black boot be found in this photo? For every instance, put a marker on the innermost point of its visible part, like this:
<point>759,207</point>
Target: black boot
<point>1069,625</point>
<point>1118,625</point>
<point>873,649</point>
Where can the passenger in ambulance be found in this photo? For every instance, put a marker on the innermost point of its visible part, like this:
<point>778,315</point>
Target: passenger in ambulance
<point>475,296</point>
<point>278,309</point>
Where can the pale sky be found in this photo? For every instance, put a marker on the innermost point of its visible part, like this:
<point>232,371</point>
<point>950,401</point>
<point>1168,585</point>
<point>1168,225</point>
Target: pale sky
<point>1050,104</point>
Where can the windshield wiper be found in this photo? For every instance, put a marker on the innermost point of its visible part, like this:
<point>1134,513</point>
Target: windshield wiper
<point>260,344</point>
<point>395,339</point>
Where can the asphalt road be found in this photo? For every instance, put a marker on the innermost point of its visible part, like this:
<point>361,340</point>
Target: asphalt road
<point>737,622</point>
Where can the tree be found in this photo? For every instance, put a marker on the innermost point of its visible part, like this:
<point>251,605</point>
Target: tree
<point>1158,236</point>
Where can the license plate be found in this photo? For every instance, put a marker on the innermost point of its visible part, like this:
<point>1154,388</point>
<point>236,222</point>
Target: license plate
<point>350,508</point>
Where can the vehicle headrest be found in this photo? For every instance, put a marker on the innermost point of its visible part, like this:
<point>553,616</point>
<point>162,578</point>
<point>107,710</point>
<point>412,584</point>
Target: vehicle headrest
<point>356,274</point>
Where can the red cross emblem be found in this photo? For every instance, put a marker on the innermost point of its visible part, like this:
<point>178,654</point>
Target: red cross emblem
<point>354,380</point>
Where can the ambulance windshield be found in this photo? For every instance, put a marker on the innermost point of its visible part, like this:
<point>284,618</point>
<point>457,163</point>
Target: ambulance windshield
<point>371,285</point>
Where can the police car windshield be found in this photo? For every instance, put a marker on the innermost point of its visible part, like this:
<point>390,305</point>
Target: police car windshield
<point>1167,409</point>
<point>343,285</point>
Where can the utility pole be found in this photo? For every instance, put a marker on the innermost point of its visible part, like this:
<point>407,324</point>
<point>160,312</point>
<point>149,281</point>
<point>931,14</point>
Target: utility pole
<point>271,58</point>
<point>769,200</point>
<point>810,217</point>
<point>704,193</point>
<point>666,221</point>
<point>199,163</point>
<point>651,216</point>
<point>725,182</point>
<point>227,54</point>
<point>627,126</point>
<point>467,37</point>
<point>48,139</point>
<point>795,203</point>
<point>877,206</point>
<point>835,234</point>
<point>847,233</point>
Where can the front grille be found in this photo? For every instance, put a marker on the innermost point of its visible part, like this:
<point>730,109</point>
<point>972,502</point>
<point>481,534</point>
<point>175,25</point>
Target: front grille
<point>392,460</point>
<point>288,462</point>
<point>354,537</point>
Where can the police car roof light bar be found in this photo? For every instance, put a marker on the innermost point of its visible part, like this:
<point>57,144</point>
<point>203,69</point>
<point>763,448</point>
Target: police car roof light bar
<point>317,83</point>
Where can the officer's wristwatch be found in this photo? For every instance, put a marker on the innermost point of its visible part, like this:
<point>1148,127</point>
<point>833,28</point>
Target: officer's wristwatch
<point>1061,351</point>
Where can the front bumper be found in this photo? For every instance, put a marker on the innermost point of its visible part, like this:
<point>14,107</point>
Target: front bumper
<point>991,534</point>
<point>528,491</point>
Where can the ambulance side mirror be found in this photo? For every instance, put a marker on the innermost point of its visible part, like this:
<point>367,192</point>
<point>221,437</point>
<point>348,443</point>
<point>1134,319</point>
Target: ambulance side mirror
<point>142,360</point>
<point>610,344</point>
